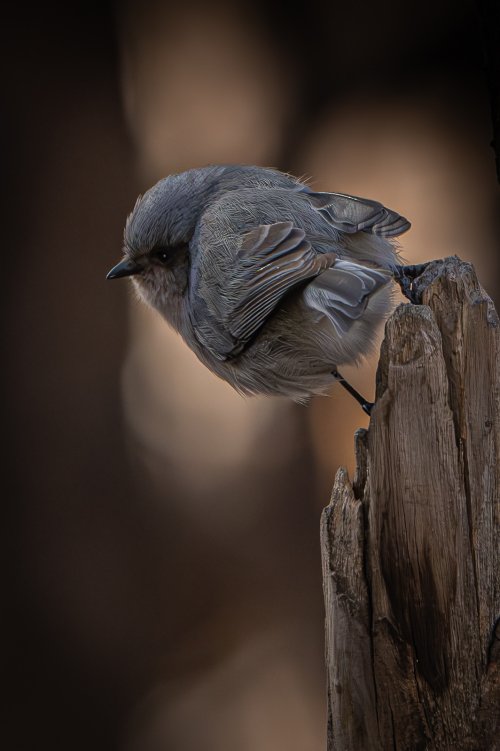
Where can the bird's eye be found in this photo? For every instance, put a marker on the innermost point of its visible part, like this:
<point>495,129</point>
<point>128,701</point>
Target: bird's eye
<point>161,255</point>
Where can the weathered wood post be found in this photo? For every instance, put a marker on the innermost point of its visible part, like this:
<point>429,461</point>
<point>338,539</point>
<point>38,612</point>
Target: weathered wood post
<point>411,549</point>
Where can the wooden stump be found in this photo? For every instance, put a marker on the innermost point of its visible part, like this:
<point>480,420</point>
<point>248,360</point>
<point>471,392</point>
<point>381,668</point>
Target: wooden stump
<point>410,549</point>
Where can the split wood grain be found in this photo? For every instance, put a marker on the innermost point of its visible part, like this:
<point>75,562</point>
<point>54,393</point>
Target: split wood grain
<point>411,552</point>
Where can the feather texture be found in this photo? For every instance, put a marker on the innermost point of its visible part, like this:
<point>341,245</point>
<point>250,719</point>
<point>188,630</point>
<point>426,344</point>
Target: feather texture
<point>342,292</point>
<point>352,214</point>
<point>271,260</point>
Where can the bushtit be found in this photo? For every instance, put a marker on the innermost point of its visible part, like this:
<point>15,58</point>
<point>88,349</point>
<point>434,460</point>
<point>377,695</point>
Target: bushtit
<point>271,284</point>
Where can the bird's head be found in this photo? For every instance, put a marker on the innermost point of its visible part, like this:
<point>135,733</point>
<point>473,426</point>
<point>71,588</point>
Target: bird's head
<point>158,233</point>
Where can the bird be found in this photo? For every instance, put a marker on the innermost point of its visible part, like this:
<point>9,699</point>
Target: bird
<point>273,285</point>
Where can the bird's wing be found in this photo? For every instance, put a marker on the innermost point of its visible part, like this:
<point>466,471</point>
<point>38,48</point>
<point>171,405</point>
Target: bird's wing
<point>341,293</point>
<point>271,260</point>
<point>352,214</point>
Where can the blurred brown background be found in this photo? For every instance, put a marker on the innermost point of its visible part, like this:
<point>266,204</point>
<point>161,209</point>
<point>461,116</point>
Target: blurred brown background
<point>162,581</point>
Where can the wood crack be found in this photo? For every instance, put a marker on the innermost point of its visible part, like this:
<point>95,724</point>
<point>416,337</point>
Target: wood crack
<point>413,542</point>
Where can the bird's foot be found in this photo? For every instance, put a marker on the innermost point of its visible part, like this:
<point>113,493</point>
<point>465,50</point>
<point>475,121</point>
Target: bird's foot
<point>365,405</point>
<point>405,277</point>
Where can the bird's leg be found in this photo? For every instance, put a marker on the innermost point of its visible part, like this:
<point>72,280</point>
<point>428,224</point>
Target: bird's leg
<point>365,406</point>
<point>405,277</point>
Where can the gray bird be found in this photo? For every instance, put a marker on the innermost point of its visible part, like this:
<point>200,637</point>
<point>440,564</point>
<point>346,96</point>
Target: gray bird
<point>272,284</point>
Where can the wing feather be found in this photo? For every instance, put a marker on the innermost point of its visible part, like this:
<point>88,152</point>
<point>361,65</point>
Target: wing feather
<point>273,259</point>
<point>353,214</point>
<point>341,293</point>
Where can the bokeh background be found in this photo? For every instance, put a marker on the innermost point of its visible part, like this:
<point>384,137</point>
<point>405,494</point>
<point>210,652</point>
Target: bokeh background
<point>162,581</point>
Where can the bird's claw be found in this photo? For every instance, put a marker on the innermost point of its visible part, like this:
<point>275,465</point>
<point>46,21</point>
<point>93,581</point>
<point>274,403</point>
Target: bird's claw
<point>367,408</point>
<point>405,277</point>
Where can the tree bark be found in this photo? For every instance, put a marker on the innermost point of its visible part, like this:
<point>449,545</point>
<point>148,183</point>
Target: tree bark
<point>410,549</point>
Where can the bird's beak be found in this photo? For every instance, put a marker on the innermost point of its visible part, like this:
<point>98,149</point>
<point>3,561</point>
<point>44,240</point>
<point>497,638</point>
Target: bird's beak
<point>124,268</point>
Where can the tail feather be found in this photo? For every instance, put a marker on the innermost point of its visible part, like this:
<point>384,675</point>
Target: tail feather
<point>353,214</point>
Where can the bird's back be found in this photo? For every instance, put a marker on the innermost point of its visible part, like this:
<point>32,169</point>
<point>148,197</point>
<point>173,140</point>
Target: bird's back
<point>255,304</point>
